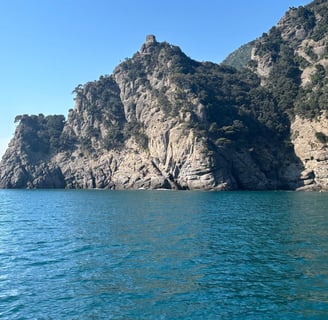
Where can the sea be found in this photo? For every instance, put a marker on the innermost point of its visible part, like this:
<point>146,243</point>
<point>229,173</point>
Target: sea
<point>78,254</point>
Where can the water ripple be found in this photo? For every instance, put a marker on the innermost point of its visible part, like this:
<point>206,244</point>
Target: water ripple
<point>156,255</point>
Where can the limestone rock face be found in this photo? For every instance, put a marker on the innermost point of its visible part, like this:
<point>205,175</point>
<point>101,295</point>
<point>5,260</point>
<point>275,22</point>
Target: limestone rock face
<point>163,120</point>
<point>18,170</point>
<point>312,150</point>
<point>144,127</point>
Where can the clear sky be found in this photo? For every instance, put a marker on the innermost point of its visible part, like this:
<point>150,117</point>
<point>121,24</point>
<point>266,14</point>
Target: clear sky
<point>48,47</point>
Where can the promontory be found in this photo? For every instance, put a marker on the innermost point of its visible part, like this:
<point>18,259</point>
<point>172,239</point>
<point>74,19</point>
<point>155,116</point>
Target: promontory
<point>257,121</point>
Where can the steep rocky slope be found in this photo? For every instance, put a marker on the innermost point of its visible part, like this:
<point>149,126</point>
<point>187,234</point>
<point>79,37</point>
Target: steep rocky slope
<point>292,60</point>
<point>163,120</point>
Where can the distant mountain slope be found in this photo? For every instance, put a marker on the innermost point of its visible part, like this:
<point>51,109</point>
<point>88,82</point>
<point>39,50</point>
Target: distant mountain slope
<point>241,57</point>
<point>163,120</point>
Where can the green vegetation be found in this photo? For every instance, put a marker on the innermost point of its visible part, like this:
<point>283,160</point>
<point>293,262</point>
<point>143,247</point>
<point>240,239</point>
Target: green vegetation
<point>101,99</point>
<point>136,130</point>
<point>116,136</point>
<point>313,99</point>
<point>321,29</point>
<point>305,17</point>
<point>285,79</point>
<point>236,108</point>
<point>269,44</point>
<point>41,134</point>
<point>321,137</point>
<point>284,82</point>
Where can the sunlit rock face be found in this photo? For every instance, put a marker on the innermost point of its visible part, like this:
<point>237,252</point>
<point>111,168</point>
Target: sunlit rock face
<point>163,120</point>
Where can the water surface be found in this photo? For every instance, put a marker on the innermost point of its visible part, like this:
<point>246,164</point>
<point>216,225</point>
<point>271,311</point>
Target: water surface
<point>163,255</point>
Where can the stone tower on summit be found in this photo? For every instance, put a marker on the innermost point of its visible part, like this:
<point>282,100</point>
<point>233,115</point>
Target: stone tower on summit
<point>147,46</point>
<point>150,38</point>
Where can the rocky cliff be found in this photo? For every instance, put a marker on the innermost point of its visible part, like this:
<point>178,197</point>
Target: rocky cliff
<point>292,59</point>
<point>163,120</point>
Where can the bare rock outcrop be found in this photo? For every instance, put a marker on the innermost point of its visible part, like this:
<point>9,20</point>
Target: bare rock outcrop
<point>159,121</point>
<point>163,120</point>
<point>309,138</point>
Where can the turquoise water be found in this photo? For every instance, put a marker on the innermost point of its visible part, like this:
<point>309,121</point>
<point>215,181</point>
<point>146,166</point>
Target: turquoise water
<point>163,255</point>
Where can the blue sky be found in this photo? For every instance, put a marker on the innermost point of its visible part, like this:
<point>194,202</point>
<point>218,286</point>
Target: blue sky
<point>48,47</point>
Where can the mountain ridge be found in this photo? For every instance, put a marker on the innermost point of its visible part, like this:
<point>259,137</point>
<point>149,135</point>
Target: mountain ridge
<point>163,120</point>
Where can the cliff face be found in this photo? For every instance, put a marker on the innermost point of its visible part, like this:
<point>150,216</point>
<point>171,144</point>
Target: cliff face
<point>310,140</point>
<point>292,60</point>
<point>163,120</point>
